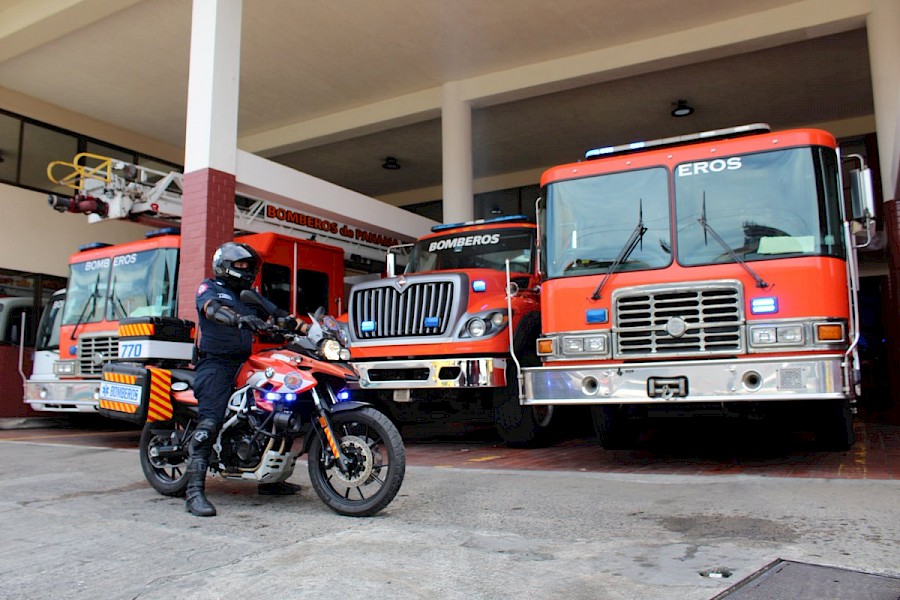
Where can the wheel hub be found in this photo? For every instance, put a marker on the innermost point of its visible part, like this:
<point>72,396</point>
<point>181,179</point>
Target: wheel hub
<point>360,459</point>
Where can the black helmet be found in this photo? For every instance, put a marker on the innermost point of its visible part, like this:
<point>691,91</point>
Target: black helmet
<point>223,265</point>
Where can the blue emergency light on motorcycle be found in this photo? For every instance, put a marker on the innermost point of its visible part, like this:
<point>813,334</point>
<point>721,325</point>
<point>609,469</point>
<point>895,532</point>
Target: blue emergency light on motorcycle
<point>367,326</point>
<point>275,397</point>
<point>479,285</point>
<point>764,306</point>
<point>343,395</point>
<point>432,321</point>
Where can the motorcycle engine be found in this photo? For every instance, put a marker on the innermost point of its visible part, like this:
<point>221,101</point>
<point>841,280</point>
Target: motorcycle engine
<point>243,449</point>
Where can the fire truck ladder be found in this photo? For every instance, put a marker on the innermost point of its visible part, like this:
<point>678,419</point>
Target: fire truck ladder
<point>108,188</point>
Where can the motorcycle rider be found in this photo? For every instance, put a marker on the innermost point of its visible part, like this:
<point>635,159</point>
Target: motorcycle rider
<point>224,343</point>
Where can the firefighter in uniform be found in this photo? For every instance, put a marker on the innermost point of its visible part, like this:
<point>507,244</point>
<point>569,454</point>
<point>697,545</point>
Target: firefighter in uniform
<point>224,343</point>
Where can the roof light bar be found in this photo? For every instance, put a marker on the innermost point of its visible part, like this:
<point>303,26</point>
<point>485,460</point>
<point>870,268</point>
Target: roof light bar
<point>713,134</point>
<point>504,219</point>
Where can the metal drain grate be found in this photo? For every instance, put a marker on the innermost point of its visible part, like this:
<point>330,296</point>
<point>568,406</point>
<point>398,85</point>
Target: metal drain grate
<point>784,579</point>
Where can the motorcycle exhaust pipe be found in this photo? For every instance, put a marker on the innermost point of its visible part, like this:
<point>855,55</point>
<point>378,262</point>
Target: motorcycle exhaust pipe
<point>167,452</point>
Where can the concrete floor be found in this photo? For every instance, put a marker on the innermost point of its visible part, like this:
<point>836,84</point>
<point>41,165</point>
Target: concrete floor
<point>473,520</point>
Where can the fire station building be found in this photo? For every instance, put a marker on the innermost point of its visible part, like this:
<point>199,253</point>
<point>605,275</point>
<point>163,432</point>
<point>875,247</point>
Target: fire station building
<point>370,123</point>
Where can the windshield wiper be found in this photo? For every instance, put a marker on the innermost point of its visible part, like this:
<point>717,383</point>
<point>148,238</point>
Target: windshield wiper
<point>707,228</point>
<point>636,237</point>
<point>89,301</point>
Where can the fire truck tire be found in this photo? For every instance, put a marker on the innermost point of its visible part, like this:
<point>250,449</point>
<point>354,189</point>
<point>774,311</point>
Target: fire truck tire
<point>613,428</point>
<point>834,429</point>
<point>521,426</point>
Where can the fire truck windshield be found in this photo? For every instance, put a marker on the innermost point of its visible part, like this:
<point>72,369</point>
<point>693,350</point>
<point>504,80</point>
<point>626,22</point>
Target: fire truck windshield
<point>593,219</point>
<point>767,205</point>
<point>126,285</point>
<point>483,249</point>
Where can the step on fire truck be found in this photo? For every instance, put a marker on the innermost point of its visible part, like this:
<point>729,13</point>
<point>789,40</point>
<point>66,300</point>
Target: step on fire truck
<point>137,280</point>
<point>441,331</point>
<point>712,272</point>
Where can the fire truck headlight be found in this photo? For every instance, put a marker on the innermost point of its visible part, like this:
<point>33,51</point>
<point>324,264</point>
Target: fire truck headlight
<point>588,344</point>
<point>762,336</point>
<point>790,334</point>
<point>497,319</point>
<point>476,327</point>
<point>64,367</point>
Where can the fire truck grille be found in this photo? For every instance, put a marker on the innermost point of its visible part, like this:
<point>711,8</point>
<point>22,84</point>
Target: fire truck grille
<point>420,310</point>
<point>679,321</point>
<point>94,351</point>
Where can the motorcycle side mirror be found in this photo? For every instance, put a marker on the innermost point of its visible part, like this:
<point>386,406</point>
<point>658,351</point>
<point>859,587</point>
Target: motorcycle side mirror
<point>251,297</point>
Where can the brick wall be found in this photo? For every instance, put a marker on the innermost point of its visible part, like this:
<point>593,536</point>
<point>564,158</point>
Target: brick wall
<point>207,221</point>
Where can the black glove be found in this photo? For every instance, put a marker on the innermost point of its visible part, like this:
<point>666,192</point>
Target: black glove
<point>252,322</point>
<point>287,322</point>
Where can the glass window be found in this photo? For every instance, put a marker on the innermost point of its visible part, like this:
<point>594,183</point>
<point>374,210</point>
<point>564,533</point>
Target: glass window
<point>594,219</point>
<point>108,151</point>
<point>86,295</point>
<point>9,147</point>
<point>143,284</point>
<point>48,329</point>
<point>312,289</point>
<point>483,249</point>
<point>40,147</point>
<point>762,206</point>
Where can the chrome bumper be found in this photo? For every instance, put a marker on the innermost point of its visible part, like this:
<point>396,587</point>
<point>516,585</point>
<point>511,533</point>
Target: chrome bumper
<point>432,373</point>
<point>753,379</point>
<point>62,396</point>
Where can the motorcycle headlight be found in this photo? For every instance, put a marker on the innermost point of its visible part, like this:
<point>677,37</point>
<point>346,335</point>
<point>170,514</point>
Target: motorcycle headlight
<point>331,350</point>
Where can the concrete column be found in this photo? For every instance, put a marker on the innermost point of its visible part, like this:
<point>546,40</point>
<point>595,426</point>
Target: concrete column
<point>210,160</point>
<point>883,25</point>
<point>456,146</point>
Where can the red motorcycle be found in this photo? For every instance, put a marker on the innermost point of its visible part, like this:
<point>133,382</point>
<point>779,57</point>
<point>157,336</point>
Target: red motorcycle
<point>356,458</point>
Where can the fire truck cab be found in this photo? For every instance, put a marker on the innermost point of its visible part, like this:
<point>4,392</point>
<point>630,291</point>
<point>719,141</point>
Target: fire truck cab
<point>139,280</point>
<point>442,330</point>
<point>711,271</point>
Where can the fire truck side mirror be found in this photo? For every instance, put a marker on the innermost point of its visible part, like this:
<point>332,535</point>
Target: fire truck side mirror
<point>862,198</point>
<point>391,264</point>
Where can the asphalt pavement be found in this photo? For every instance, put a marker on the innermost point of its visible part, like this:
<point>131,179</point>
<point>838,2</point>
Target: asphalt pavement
<point>79,522</point>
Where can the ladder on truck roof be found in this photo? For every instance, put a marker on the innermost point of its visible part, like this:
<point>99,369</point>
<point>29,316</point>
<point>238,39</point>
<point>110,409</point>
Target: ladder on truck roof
<point>108,188</point>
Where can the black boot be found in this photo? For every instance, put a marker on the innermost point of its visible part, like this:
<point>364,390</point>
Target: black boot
<point>198,461</point>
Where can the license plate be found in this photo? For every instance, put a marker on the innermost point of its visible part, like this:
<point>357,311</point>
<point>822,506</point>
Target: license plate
<point>120,392</point>
<point>667,387</point>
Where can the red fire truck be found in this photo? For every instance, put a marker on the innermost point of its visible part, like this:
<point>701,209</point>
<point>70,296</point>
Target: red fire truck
<point>714,271</point>
<point>441,331</point>
<point>139,279</point>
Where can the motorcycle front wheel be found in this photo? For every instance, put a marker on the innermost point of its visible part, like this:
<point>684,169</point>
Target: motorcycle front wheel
<point>163,451</point>
<point>376,463</point>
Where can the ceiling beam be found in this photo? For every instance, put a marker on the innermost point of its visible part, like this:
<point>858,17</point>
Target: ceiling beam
<point>29,24</point>
<point>786,24</point>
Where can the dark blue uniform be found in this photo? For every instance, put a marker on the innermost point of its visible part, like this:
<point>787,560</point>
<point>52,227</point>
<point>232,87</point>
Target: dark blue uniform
<point>222,350</point>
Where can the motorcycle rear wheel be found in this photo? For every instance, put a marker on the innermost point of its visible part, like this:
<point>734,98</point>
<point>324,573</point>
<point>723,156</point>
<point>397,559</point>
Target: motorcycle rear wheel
<point>168,476</point>
<point>378,463</point>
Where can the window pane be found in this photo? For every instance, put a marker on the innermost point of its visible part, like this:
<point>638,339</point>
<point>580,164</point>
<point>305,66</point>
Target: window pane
<point>40,147</point>
<point>108,152</point>
<point>9,147</point>
<point>276,285</point>
<point>312,292</point>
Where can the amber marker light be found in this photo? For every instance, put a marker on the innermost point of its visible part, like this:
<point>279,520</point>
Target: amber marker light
<point>830,332</point>
<point>545,346</point>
